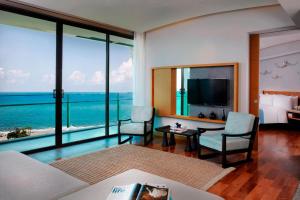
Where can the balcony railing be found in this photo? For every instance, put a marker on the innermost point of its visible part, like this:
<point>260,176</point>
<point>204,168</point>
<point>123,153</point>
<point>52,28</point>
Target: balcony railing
<point>83,113</point>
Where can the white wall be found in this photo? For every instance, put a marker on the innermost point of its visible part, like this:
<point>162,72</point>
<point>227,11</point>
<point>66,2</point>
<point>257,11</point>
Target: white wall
<point>272,76</point>
<point>212,39</point>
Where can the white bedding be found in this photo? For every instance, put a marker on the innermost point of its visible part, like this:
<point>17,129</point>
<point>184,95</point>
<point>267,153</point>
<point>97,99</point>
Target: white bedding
<point>273,108</point>
<point>272,115</point>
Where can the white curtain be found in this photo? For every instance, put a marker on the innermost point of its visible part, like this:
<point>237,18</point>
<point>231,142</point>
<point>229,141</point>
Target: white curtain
<point>139,70</point>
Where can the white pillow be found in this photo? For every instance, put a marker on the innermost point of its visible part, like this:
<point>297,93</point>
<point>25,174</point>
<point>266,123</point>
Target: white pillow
<point>266,100</point>
<point>282,101</point>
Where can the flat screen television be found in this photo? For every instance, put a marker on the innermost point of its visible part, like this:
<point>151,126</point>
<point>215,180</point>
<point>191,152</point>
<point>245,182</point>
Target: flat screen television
<point>210,92</point>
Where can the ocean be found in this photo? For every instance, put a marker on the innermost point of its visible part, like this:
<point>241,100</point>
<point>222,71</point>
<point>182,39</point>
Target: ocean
<point>37,110</point>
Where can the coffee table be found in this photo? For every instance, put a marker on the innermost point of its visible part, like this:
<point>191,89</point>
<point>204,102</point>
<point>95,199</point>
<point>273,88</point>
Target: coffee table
<point>101,190</point>
<point>190,145</point>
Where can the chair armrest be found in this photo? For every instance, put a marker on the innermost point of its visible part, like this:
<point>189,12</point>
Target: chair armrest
<point>148,122</point>
<point>203,130</point>
<point>212,129</point>
<point>236,135</point>
<point>122,120</point>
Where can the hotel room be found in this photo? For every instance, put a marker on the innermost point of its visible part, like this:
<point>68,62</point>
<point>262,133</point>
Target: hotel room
<point>279,78</point>
<point>126,99</point>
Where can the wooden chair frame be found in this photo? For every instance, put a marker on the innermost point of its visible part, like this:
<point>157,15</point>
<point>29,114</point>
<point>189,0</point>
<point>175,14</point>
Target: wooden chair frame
<point>145,135</point>
<point>225,152</point>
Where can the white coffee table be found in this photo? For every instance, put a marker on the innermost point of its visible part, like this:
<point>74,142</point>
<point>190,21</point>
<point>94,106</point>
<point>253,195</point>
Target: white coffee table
<point>101,190</point>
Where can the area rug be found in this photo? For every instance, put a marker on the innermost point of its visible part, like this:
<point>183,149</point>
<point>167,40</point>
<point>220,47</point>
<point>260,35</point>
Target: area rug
<point>95,167</point>
<point>297,194</point>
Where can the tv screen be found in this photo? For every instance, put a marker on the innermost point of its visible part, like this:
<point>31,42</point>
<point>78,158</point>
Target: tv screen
<point>212,92</point>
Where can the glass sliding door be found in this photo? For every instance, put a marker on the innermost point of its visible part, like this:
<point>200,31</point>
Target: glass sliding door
<point>27,78</point>
<point>120,81</point>
<point>38,58</point>
<point>84,80</point>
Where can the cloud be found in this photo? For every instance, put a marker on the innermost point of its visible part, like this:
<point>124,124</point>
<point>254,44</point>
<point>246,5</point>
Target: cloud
<point>2,73</point>
<point>123,72</point>
<point>77,77</point>
<point>14,75</point>
<point>97,78</point>
<point>48,78</point>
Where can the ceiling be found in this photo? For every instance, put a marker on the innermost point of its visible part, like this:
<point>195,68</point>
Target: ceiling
<point>292,7</point>
<point>144,15</point>
<point>16,20</point>
<point>282,37</point>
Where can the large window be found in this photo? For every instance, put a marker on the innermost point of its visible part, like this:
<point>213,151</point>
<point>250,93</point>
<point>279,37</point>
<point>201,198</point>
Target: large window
<point>27,78</point>
<point>120,80</point>
<point>55,79</point>
<point>84,68</point>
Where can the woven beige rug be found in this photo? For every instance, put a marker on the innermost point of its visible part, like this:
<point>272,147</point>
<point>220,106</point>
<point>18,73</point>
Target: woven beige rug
<point>101,165</point>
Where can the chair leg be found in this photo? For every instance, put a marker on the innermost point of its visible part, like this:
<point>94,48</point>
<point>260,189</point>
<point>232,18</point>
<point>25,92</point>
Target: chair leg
<point>119,133</point>
<point>199,151</point>
<point>249,155</point>
<point>119,138</point>
<point>151,137</point>
<point>224,160</point>
<point>145,139</point>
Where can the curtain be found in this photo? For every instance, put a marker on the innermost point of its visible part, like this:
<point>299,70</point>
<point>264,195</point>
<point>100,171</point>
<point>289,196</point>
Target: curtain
<point>139,70</point>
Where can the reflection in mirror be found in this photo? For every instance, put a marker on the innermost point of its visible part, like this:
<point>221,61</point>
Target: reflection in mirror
<point>182,106</point>
<point>205,92</point>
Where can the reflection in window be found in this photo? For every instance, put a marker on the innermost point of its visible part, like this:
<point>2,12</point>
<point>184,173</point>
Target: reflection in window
<point>120,80</point>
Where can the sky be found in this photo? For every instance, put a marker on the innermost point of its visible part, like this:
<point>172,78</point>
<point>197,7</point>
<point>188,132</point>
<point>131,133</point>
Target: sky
<point>27,63</point>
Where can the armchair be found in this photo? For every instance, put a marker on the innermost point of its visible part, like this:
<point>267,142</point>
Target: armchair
<point>140,124</point>
<point>237,136</point>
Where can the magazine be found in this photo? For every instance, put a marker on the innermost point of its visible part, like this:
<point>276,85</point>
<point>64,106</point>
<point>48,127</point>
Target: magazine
<point>178,130</point>
<point>139,192</point>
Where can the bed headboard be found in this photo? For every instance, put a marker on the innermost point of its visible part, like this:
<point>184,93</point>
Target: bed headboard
<point>288,93</point>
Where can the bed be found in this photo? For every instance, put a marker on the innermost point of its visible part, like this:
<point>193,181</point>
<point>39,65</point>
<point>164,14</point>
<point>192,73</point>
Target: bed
<point>273,106</point>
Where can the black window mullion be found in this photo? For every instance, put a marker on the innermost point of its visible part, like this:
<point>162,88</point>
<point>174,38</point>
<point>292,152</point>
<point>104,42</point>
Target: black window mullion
<point>182,92</point>
<point>58,90</point>
<point>107,86</point>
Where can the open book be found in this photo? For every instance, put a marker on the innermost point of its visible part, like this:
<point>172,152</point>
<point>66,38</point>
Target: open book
<point>139,192</point>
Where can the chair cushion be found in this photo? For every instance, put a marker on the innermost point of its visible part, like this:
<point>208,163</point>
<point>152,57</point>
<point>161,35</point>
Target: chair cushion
<point>133,128</point>
<point>238,123</point>
<point>214,141</point>
<point>141,113</point>
<point>22,177</point>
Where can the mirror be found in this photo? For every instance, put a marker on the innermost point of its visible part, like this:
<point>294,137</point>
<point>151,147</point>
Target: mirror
<point>206,91</point>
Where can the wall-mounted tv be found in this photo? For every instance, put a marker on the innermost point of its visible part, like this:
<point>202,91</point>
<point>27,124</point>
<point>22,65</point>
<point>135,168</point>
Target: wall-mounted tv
<point>210,92</point>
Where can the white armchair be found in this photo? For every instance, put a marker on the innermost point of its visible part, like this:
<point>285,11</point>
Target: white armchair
<point>140,124</point>
<point>237,136</point>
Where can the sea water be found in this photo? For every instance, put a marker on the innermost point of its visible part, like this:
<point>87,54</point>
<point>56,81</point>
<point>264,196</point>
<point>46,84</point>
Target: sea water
<point>36,110</point>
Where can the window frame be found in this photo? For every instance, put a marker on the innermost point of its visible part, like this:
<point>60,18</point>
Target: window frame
<point>59,70</point>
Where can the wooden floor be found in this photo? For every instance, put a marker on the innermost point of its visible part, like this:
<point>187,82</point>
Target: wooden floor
<point>273,174</point>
